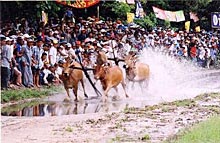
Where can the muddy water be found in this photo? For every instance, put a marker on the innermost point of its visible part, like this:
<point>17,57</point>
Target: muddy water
<point>170,80</point>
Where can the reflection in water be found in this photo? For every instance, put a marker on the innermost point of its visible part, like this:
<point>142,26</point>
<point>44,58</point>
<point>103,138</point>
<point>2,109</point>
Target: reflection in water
<point>60,108</point>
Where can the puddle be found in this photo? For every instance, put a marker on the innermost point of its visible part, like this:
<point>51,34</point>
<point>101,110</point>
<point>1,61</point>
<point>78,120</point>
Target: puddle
<point>58,108</point>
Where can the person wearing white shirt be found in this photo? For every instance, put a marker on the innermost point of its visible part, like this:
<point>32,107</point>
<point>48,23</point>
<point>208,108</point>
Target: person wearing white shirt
<point>53,52</point>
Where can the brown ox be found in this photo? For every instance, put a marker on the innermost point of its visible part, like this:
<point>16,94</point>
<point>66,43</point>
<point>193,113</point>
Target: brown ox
<point>71,77</point>
<point>110,77</point>
<point>136,71</point>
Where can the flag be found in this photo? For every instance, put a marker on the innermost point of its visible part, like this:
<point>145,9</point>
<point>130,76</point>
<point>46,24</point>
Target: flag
<point>180,16</point>
<point>159,13</point>
<point>130,2</point>
<point>193,16</point>
<point>44,17</point>
<point>130,17</point>
<point>197,28</point>
<point>187,25</point>
<point>139,10</point>
<point>171,16</point>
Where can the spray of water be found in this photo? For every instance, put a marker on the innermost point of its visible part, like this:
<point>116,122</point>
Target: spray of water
<point>173,79</point>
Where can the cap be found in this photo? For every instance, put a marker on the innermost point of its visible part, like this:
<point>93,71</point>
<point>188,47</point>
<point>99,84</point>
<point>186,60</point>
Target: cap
<point>68,45</point>
<point>8,39</point>
<point>46,45</point>
<point>39,38</point>
<point>26,36</point>
<point>2,37</point>
<point>55,41</point>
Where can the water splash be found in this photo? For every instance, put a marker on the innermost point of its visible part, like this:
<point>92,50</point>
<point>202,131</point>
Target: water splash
<point>173,79</point>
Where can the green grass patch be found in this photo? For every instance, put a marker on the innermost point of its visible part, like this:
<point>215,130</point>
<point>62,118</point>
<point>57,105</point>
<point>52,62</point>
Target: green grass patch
<point>204,132</point>
<point>19,94</point>
<point>69,129</point>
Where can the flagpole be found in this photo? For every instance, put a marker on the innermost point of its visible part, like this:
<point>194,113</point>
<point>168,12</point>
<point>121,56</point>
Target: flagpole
<point>98,11</point>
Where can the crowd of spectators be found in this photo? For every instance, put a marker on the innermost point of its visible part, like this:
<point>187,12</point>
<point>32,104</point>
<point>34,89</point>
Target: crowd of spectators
<point>31,54</point>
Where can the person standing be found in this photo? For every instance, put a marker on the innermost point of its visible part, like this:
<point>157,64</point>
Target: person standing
<point>36,60</point>
<point>26,64</point>
<point>53,53</point>
<point>5,63</point>
<point>18,52</point>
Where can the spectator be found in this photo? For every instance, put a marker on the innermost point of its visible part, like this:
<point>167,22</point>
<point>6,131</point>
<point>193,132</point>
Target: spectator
<point>5,63</point>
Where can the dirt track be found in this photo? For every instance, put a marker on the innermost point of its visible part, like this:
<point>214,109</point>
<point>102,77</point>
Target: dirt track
<point>152,123</point>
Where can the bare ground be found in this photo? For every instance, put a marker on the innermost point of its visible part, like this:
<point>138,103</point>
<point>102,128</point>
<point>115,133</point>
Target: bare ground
<point>149,124</point>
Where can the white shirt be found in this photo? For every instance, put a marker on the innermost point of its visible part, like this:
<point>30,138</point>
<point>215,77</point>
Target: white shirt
<point>53,55</point>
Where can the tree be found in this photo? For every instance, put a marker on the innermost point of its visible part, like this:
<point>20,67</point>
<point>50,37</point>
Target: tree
<point>115,9</point>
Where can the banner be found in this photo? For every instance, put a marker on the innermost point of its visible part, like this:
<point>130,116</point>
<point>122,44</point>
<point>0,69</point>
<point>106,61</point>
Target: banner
<point>193,16</point>
<point>171,16</point>
<point>159,13</point>
<point>130,17</point>
<point>174,16</point>
<point>79,3</point>
<point>187,25</point>
<point>180,16</point>
<point>130,2</point>
<point>215,17</point>
<point>44,17</point>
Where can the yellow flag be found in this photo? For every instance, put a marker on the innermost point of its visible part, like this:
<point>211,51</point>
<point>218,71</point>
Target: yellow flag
<point>44,17</point>
<point>130,17</point>
<point>187,25</point>
<point>197,28</point>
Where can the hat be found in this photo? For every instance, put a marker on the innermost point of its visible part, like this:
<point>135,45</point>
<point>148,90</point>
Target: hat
<point>8,39</point>
<point>68,45</point>
<point>2,37</point>
<point>46,45</point>
<point>39,39</point>
<point>26,36</point>
<point>30,40</point>
<point>63,41</point>
<point>103,31</point>
<point>55,41</point>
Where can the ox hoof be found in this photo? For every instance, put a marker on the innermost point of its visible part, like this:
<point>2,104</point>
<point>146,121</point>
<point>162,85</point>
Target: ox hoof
<point>66,100</point>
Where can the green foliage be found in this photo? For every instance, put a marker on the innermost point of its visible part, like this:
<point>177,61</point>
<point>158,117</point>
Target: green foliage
<point>147,22</point>
<point>167,24</point>
<point>205,132</point>
<point>145,137</point>
<point>69,129</point>
<point>116,9</point>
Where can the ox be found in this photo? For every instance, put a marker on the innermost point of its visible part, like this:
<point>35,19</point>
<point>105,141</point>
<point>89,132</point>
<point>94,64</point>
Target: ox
<point>110,77</point>
<point>136,71</point>
<point>71,75</point>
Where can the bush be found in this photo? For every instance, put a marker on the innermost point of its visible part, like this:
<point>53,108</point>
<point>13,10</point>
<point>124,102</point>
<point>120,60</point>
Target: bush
<point>147,22</point>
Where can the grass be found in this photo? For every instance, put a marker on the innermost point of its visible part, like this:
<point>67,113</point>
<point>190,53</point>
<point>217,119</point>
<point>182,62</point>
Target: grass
<point>204,132</point>
<point>16,95</point>
<point>69,129</point>
<point>145,137</point>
